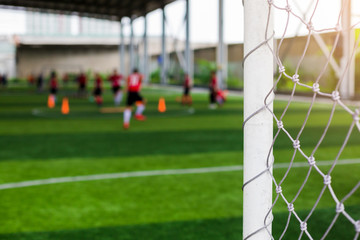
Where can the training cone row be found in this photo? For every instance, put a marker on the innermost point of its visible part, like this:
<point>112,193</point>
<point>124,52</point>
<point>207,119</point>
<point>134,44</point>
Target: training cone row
<point>162,105</point>
<point>65,109</point>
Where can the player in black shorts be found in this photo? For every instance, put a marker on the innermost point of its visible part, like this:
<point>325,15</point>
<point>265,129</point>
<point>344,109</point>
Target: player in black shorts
<point>98,90</point>
<point>115,89</point>
<point>134,97</point>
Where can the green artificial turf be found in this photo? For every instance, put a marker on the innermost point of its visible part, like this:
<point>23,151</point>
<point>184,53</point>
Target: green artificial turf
<point>40,143</point>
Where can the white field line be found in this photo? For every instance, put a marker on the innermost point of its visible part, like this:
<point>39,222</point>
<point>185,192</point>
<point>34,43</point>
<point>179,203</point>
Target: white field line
<point>159,173</point>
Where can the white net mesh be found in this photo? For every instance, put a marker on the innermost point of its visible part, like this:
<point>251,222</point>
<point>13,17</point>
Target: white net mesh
<point>322,66</point>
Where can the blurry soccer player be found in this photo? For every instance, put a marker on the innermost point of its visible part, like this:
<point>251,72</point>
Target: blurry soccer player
<point>186,97</point>
<point>213,89</point>
<point>82,84</point>
<point>115,79</point>
<point>98,90</point>
<point>133,87</point>
<point>53,85</point>
<point>40,82</point>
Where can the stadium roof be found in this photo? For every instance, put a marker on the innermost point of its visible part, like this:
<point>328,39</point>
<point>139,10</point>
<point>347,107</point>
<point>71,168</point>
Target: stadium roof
<point>107,9</point>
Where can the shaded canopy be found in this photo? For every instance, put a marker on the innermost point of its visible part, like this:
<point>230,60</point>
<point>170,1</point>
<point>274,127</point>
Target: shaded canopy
<point>106,9</point>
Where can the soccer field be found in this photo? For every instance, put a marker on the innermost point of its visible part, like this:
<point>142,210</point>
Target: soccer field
<point>175,176</point>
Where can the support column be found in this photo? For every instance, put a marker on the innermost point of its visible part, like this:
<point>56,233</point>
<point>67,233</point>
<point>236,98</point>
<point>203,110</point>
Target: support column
<point>221,66</point>
<point>347,87</point>
<point>188,65</point>
<point>122,49</point>
<point>132,57</point>
<point>258,130</point>
<point>81,27</point>
<point>146,54</point>
<point>163,49</point>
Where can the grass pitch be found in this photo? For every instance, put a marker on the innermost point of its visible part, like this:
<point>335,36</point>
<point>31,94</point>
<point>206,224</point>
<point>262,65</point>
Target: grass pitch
<point>41,143</point>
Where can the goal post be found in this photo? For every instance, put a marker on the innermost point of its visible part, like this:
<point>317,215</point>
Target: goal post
<point>307,74</point>
<point>258,130</point>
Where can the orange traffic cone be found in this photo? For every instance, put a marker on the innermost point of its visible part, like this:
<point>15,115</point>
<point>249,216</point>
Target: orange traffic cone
<point>162,105</point>
<point>51,101</point>
<point>65,106</point>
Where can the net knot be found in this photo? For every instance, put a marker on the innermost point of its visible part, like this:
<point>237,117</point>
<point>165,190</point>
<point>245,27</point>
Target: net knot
<point>310,26</point>
<point>296,144</point>
<point>327,180</point>
<point>281,69</point>
<point>335,96</point>
<point>278,189</point>
<point>295,78</point>
<point>357,226</point>
<point>316,87</point>
<point>311,161</point>
<point>356,116</point>
<point>270,1</point>
<point>303,226</point>
<point>280,124</point>
<point>338,28</point>
<point>288,8</point>
<point>340,208</point>
<point>291,207</point>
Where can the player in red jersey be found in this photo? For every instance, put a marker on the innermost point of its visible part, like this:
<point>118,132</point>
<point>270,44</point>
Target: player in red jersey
<point>186,98</point>
<point>53,85</point>
<point>134,86</point>
<point>82,84</point>
<point>98,89</point>
<point>213,90</point>
<point>115,79</point>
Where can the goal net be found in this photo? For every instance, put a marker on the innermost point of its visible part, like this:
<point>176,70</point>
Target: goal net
<point>302,148</point>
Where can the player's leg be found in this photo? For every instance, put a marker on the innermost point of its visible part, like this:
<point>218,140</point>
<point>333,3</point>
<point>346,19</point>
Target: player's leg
<point>212,99</point>
<point>184,97</point>
<point>115,90</point>
<point>127,112</point>
<point>188,97</point>
<point>98,97</point>
<point>53,94</point>
<point>82,89</point>
<point>140,107</point>
<point>127,117</point>
<point>118,97</point>
<point>98,100</point>
<point>139,112</point>
<point>189,100</point>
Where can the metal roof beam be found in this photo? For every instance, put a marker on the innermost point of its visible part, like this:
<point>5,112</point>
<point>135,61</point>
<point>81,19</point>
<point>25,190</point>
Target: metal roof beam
<point>106,9</point>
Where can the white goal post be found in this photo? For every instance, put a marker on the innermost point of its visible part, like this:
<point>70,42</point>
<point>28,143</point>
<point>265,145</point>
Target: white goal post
<point>258,133</point>
<point>264,69</point>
